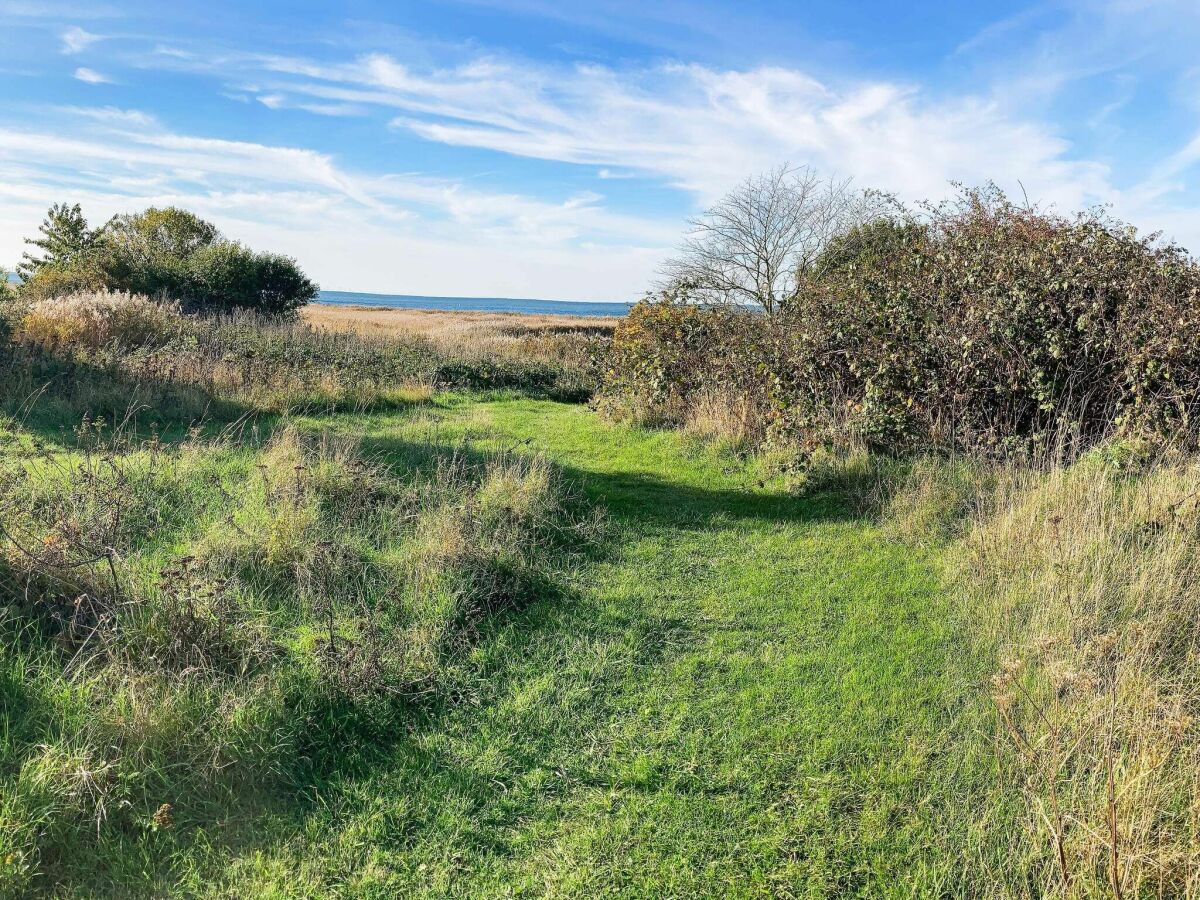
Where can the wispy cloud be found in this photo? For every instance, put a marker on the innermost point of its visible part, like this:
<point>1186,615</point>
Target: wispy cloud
<point>91,76</point>
<point>305,203</point>
<point>683,131</point>
<point>76,40</point>
<point>701,128</point>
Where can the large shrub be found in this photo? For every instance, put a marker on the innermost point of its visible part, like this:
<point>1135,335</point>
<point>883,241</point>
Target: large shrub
<point>668,354</point>
<point>990,325</point>
<point>165,252</point>
<point>227,276</point>
<point>979,325</point>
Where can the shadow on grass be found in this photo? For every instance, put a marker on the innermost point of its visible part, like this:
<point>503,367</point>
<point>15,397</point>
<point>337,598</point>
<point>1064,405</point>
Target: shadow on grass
<point>341,743</point>
<point>640,499</point>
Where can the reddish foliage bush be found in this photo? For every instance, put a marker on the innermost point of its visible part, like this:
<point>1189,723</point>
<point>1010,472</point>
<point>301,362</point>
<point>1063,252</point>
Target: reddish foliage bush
<point>982,326</point>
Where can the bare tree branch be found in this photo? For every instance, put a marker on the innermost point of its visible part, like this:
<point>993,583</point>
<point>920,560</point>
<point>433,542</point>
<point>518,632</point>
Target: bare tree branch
<point>754,246</point>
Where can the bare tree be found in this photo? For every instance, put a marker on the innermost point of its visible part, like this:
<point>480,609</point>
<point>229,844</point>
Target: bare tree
<point>754,245</point>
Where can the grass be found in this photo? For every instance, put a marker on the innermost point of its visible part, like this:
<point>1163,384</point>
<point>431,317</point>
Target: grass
<point>191,629</point>
<point>743,694</point>
<point>491,644</point>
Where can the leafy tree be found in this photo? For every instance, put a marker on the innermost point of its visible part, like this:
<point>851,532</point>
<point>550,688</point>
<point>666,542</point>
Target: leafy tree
<point>171,231</point>
<point>163,252</point>
<point>65,239</point>
<point>149,252</point>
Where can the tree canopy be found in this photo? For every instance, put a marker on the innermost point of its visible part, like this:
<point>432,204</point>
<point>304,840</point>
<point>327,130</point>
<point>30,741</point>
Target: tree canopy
<point>166,252</point>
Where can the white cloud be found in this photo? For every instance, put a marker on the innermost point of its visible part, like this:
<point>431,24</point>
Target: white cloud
<point>702,129</point>
<point>91,76</point>
<point>111,114</point>
<point>281,101</point>
<point>350,230</point>
<point>693,127</point>
<point>76,40</point>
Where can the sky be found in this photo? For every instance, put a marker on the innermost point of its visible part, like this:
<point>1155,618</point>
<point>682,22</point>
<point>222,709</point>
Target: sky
<point>557,148</point>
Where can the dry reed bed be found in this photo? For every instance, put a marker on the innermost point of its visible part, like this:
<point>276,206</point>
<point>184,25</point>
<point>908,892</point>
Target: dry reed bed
<point>576,343</point>
<point>104,348</point>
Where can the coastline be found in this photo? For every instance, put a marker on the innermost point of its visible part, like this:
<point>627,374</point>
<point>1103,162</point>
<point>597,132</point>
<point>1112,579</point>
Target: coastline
<point>570,308</point>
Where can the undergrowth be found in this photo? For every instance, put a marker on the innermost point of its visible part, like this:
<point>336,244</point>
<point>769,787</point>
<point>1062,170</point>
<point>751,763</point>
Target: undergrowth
<point>187,625</point>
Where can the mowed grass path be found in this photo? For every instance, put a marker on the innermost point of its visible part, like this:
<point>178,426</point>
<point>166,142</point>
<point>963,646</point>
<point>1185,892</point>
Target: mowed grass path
<point>744,693</point>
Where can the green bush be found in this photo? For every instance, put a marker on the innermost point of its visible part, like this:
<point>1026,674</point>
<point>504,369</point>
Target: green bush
<point>166,252</point>
<point>227,276</point>
<point>992,326</point>
<point>667,353</point>
<point>980,325</point>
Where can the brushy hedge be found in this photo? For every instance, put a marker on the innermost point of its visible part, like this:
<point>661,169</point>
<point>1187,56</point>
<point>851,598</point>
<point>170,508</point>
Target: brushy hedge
<point>664,354</point>
<point>982,326</point>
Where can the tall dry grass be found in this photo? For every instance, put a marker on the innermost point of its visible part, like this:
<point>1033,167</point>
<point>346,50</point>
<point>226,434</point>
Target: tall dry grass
<point>1088,577</point>
<point>101,354</point>
<point>574,344</point>
<point>1081,585</point>
<point>97,319</point>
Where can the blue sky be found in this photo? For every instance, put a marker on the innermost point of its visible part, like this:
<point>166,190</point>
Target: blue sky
<point>556,149</point>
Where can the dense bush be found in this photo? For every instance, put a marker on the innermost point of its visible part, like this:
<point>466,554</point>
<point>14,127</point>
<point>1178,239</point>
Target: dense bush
<point>669,353</point>
<point>980,325</point>
<point>994,324</point>
<point>161,253</point>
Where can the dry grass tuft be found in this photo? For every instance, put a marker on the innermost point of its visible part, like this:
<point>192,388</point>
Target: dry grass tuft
<point>99,319</point>
<point>725,416</point>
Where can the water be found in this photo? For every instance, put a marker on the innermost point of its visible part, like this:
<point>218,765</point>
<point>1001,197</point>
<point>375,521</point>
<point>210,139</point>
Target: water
<point>477,304</point>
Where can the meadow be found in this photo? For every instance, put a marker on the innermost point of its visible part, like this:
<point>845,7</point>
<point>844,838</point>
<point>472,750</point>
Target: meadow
<point>369,607</point>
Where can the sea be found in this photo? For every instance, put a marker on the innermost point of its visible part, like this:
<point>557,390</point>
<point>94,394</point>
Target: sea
<point>478,304</point>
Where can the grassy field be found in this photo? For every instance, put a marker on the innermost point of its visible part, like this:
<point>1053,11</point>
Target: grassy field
<point>483,643</point>
<point>742,694</point>
<point>736,692</point>
<point>455,326</point>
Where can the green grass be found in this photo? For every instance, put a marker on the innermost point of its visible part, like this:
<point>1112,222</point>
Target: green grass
<point>740,692</point>
<point>750,694</point>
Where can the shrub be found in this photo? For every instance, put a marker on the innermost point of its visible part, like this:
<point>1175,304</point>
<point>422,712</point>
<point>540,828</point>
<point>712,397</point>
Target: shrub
<point>225,276</point>
<point>994,327</point>
<point>666,354</point>
<point>981,326</point>
<point>165,252</point>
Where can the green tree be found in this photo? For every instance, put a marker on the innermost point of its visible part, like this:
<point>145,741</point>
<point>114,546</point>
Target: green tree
<point>162,252</point>
<point>150,252</point>
<point>227,275</point>
<point>65,239</point>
